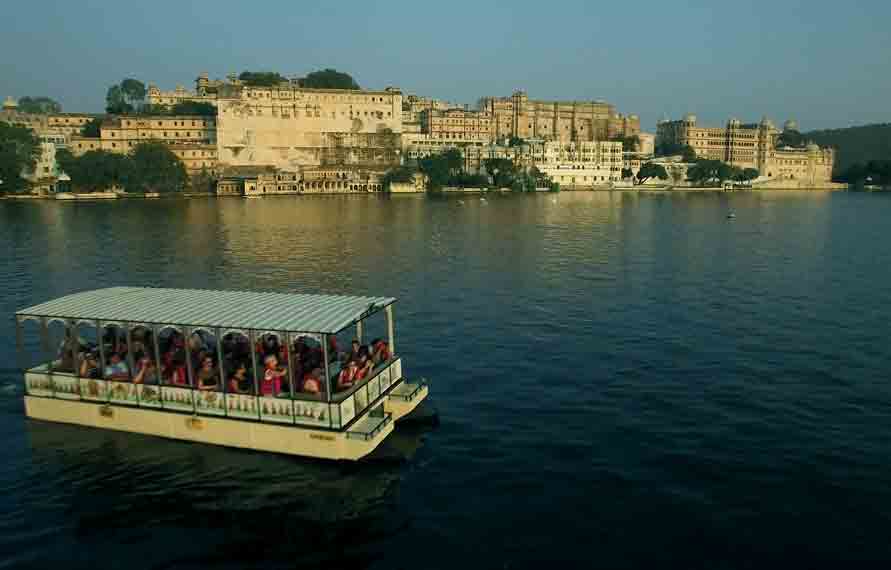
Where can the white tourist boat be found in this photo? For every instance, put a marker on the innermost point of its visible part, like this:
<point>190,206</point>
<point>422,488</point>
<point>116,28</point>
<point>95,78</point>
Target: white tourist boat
<point>220,367</point>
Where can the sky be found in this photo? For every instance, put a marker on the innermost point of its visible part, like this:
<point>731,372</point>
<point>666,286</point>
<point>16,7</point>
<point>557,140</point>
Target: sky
<point>825,64</point>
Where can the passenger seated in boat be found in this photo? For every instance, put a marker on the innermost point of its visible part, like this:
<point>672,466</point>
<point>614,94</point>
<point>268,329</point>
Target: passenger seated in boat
<point>380,352</point>
<point>364,367</point>
<point>312,382</point>
<point>117,369</point>
<point>89,366</point>
<point>355,350</point>
<point>347,376</point>
<point>239,383</point>
<point>272,377</point>
<point>174,371</point>
<point>207,376</point>
<point>147,372</point>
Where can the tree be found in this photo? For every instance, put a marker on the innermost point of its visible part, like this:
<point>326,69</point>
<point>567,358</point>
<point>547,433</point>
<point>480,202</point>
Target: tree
<point>329,79</point>
<point>629,144</point>
<point>126,97</point>
<point>194,108</point>
<point>440,168</point>
<point>154,168</point>
<point>400,174</point>
<point>708,171</point>
<point>790,138</point>
<point>39,105</point>
<point>502,171</point>
<point>91,128</point>
<point>672,148</point>
<point>651,170</point>
<point>749,174</point>
<point>202,182</point>
<point>515,141</point>
<point>627,173</point>
<point>19,150</point>
<point>261,78</point>
<point>874,172</point>
<point>95,170</point>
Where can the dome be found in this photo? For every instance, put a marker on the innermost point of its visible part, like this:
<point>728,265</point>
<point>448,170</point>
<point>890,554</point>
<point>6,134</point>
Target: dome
<point>765,122</point>
<point>734,122</point>
<point>10,104</point>
<point>790,125</point>
<point>812,146</point>
<point>690,118</point>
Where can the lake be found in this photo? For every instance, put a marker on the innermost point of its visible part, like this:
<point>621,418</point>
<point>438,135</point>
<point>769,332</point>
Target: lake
<point>623,380</point>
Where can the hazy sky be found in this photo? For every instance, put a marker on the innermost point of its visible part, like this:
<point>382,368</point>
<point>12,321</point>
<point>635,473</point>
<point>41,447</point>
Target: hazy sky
<point>823,63</point>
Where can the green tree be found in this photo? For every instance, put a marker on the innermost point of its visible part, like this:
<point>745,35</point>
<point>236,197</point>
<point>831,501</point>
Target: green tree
<point>202,182</point>
<point>194,108</point>
<point>19,150</point>
<point>627,173</point>
<point>855,144</point>
<point>790,138</point>
<point>91,128</point>
<point>651,170</point>
<point>515,141</point>
<point>629,144</point>
<point>672,148</point>
<point>502,170</point>
<point>707,172</point>
<point>39,105</point>
<point>440,168</point>
<point>154,168</point>
<point>261,78</point>
<point>749,174</point>
<point>125,97</point>
<point>95,170</point>
<point>403,174</point>
<point>329,79</point>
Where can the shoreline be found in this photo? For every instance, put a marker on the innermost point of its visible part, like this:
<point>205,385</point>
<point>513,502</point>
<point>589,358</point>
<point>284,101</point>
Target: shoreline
<point>107,196</point>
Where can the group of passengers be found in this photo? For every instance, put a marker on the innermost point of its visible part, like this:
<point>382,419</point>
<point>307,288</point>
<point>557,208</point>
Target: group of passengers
<point>360,361</point>
<point>304,357</point>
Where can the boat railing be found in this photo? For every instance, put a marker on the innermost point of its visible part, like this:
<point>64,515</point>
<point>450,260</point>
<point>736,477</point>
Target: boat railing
<point>45,380</point>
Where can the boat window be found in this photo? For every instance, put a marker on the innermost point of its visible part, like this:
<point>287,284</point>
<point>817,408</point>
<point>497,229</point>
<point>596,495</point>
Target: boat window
<point>87,362</point>
<point>202,351</point>
<point>144,356</point>
<point>63,343</point>
<point>172,346</point>
<point>272,364</point>
<point>306,359</point>
<point>114,350</point>
<point>237,363</point>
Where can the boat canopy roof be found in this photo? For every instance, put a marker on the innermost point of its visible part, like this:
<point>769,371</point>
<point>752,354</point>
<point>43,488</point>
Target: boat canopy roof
<point>324,314</point>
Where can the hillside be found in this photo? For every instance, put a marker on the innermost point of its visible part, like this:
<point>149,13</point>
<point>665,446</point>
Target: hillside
<point>855,144</point>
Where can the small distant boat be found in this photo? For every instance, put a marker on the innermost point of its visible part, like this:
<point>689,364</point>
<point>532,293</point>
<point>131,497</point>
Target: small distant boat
<point>731,216</point>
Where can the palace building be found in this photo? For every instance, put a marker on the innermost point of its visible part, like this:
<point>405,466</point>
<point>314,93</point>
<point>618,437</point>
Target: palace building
<point>752,145</point>
<point>518,116</point>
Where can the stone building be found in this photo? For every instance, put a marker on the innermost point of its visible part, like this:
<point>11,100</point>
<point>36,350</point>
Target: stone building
<point>457,124</point>
<point>64,124</point>
<point>291,127</point>
<point>205,92</point>
<point>192,138</point>
<point>752,145</point>
<point>268,180</point>
<point>518,116</point>
<point>581,164</point>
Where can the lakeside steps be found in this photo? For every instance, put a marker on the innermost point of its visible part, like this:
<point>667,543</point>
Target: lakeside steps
<point>155,387</point>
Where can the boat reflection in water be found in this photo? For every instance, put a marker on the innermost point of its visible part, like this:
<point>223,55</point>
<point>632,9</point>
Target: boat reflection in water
<point>190,504</point>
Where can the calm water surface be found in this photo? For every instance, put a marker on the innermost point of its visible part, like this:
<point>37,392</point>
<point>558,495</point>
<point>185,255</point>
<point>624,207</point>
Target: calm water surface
<point>623,380</point>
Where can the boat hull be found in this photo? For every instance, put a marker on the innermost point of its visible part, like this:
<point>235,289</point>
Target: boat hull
<point>230,432</point>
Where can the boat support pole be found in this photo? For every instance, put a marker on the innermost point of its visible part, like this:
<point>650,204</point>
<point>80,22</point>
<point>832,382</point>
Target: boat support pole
<point>252,339</point>
<point>223,387</point>
<point>19,345</point>
<point>391,332</point>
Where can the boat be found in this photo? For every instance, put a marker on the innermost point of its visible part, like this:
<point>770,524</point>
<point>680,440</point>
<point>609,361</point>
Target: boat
<point>148,380</point>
